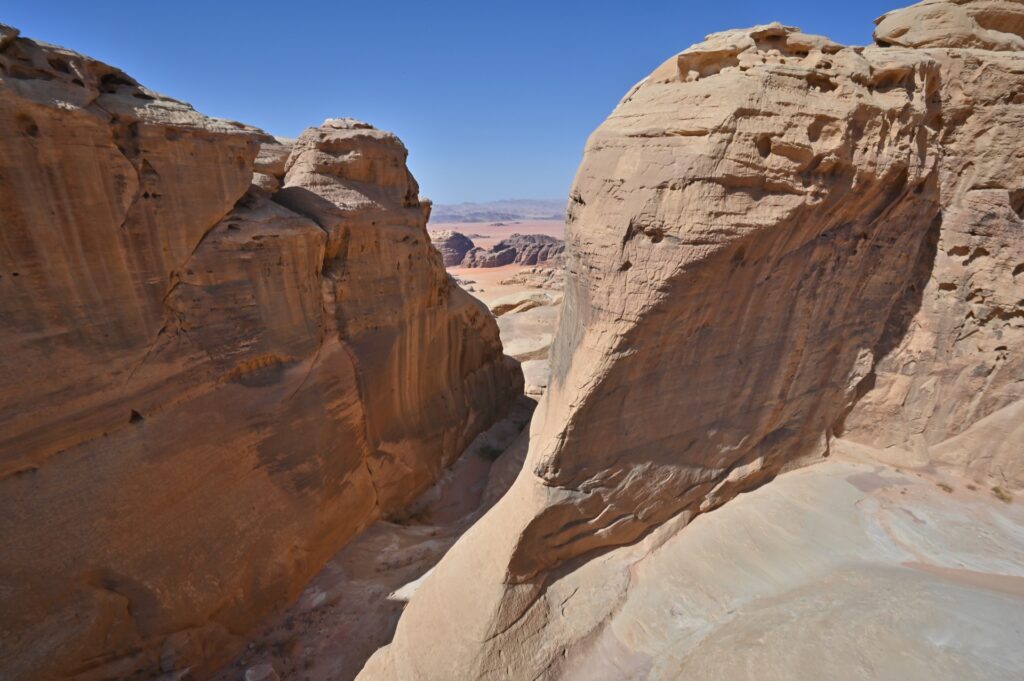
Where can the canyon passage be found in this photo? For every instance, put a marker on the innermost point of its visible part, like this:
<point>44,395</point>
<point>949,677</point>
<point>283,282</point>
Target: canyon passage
<point>753,410</point>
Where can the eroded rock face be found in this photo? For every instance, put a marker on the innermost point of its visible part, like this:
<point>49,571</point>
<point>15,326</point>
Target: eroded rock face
<point>453,246</point>
<point>772,240</point>
<point>518,249</point>
<point>205,392</point>
<point>982,24</point>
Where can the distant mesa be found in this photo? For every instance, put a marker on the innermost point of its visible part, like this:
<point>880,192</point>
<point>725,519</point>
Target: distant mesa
<point>458,250</point>
<point>518,249</point>
<point>499,211</point>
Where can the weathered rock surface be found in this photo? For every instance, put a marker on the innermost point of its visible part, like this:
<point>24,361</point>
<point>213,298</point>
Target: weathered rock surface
<point>773,239</point>
<point>528,334</point>
<point>982,24</point>
<point>269,166</point>
<point>846,570</point>
<point>453,246</point>
<point>204,392</point>
<point>519,249</point>
<point>522,301</point>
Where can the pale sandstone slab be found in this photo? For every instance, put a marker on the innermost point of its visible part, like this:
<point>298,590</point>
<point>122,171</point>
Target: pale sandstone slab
<point>982,24</point>
<point>774,239</point>
<point>844,570</point>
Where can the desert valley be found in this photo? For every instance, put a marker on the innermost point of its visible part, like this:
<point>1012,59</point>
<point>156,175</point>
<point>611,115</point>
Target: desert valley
<point>747,403</point>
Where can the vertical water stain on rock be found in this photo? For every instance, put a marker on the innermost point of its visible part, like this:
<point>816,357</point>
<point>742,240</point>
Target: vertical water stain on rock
<point>214,383</point>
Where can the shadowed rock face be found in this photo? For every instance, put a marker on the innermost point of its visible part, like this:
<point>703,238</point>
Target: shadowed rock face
<point>518,249</point>
<point>453,246</point>
<point>206,387</point>
<point>773,239</point>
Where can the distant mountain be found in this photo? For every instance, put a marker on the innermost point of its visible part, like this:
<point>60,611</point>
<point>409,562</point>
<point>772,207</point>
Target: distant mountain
<point>494,211</point>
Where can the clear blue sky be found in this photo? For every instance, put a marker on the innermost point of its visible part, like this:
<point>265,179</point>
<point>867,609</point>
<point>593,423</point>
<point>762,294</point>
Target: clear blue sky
<point>494,99</point>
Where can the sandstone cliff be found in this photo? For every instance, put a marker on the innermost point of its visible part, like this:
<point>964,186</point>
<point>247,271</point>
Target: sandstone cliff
<point>773,240</point>
<point>209,380</point>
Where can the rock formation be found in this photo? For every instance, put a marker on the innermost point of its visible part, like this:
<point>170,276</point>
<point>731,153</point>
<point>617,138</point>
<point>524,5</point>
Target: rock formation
<point>518,249</point>
<point>773,240</point>
<point>981,24</point>
<point>453,246</point>
<point>210,380</point>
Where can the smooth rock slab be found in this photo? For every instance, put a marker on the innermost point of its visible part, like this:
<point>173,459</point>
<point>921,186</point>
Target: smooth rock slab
<point>845,571</point>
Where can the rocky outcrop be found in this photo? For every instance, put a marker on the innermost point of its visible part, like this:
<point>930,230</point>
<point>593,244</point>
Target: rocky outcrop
<point>948,389</point>
<point>205,391</point>
<point>518,249</point>
<point>523,301</point>
<point>774,239</point>
<point>269,166</point>
<point>981,24</point>
<point>453,246</point>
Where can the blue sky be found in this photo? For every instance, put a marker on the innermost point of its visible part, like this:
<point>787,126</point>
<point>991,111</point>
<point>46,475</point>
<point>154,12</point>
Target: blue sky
<point>494,99</point>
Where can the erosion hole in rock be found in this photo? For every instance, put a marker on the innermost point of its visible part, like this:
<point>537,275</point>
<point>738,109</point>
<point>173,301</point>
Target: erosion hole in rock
<point>975,254</point>
<point>110,82</point>
<point>59,64</point>
<point>135,417</point>
<point>764,145</point>
<point>27,126</point>
<point>739,256</point>
<point>821,82</point>
<point>1017,202</point>
<point>815,129</point>
<point>895,79</point>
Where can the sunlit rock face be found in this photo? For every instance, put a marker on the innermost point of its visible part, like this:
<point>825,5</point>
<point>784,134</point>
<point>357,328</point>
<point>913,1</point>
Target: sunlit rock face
<point>210,379</point>
<point>772,241</point>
